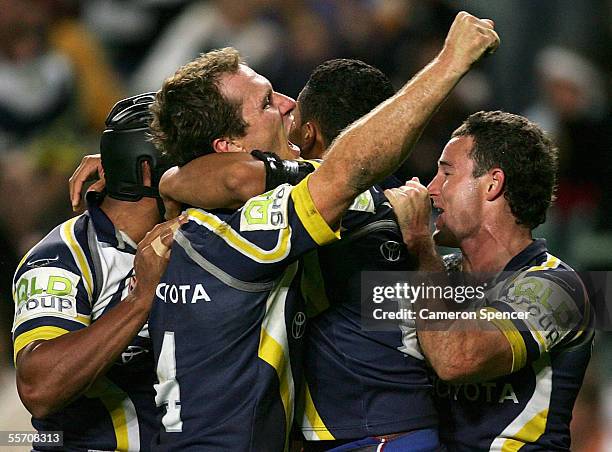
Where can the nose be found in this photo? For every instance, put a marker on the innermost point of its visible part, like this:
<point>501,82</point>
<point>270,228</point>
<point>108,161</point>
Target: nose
<point>285,104</point>
<point>434,186</point>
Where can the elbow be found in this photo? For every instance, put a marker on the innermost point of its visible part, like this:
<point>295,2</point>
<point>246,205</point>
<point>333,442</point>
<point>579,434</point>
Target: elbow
<point>167,185</point>
<point>447,371</point>
<point>36,400</point>
<point>451,374</point>
<point>461,368</point>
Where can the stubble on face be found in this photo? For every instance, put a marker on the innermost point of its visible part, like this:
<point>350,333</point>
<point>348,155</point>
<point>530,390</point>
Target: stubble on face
<point>457,194</point>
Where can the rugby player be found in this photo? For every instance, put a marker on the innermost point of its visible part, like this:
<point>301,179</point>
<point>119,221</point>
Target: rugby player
<point>226,327</point>
<point>82,351</point>
<point>504,384</point>
<point>344,364</point>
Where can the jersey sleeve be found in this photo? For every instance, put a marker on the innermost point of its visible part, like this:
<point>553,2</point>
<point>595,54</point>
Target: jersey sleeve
<point>258,241</point>
<point>551,309</point>
<point>50,296</point>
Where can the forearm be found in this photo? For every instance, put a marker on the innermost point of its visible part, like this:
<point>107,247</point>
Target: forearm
<point>465,352</point>
<point>460,350</point>
<point>375,145</point>
<point>52,373</point>
<point>215,181</point>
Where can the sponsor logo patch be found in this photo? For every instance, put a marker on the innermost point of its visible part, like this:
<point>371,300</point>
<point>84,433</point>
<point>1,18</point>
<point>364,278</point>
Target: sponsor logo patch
<point>363,203</point>
<point>46,305</point>
<point>267,212</point>
<point>46,291</point>
<point>391,250</point>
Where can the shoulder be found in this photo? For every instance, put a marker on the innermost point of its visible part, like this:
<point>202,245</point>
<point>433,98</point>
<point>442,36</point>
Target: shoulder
<point>59,259</point>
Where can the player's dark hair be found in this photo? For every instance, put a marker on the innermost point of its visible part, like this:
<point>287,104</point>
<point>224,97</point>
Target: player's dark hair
<point>341,91</point>
<point>523,152</point>
<point>190,111</point>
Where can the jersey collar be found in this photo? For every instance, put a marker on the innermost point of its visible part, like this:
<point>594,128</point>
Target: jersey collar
<point>104,227</point>
<point>525,257</point>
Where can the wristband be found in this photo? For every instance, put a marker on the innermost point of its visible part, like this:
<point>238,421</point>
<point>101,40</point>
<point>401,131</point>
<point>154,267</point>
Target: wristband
<point>279,171</point>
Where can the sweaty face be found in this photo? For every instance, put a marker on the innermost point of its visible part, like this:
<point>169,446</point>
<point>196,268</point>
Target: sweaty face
<point>457,196</point>
<point>267,113</point>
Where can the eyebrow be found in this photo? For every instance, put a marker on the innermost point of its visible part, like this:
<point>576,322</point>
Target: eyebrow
<point>444,163</point>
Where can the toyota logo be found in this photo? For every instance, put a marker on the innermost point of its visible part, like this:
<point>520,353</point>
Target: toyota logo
<point>299,325</point>
<point>391,250</point>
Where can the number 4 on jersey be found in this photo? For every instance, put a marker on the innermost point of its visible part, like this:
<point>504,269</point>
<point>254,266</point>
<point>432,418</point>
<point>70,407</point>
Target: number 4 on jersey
<point>167,391</point>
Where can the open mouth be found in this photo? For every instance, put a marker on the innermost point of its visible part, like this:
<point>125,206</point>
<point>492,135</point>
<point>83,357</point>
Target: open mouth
<point>294,148</point>
<point>288,126</point>
<point>437,214</point>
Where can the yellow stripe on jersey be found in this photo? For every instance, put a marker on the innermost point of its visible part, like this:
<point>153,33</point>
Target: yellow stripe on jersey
<point>41,333</point>
<point>312,285</point>
<point>67,233</point>
<point>528,434</point>
<point>551,262</point>
<point>272,352</point>
<point>239,243</point>
<point>540,339</point>
<point>274,343</point>
<point>21,262</point>
<point>530,423</point>
<point>312,220</point>
<point>517,343</point>
<point>316,423</point>
<point>121,411</point>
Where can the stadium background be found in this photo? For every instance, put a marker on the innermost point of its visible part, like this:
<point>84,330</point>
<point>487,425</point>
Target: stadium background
<point>63,63</point>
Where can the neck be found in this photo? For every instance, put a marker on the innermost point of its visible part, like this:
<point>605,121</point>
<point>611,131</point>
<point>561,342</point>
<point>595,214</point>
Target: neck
<point>492,248</point>
<point>133,218</point>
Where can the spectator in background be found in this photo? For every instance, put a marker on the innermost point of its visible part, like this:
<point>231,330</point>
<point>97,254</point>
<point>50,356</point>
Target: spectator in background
<point>573,107</point>
<point>36,82</point>
<point>205,25</point>
<point>97,84</point>
<point>127,29</point>
<point>309,42</point>
<point>55,89</point>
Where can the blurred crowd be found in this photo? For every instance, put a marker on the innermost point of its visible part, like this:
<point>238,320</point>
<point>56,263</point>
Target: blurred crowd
<point>63,64</point>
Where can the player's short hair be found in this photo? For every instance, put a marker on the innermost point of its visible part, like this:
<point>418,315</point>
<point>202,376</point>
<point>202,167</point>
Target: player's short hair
<point>190,111</point>
<point>341,91</point>
<point>526,155</point>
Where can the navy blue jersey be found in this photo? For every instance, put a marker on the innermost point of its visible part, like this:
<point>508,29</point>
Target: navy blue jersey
<point>67,281</point>
<point>227,324</point>
<point>360,383</point>
<point>531,408</point>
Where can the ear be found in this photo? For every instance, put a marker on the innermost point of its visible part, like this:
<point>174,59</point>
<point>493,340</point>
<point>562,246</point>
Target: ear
<point>221,145</point>
<point>227,145</point>
<point>147,176</point>
<point>313,145</point>
<point>309,135</point>
<point>495,184</point>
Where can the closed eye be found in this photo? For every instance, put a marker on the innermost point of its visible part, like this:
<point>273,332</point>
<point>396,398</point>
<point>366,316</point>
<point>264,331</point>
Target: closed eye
<point>267,102</point>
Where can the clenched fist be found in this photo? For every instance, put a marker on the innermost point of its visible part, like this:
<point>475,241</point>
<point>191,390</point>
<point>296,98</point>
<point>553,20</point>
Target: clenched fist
<point>412,207</point>
<point>468,39</point>
<point>152,257</point>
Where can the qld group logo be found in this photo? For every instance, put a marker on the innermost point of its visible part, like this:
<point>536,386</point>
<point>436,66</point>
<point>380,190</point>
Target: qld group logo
<point>298,326</point>
<point>391,251</point>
